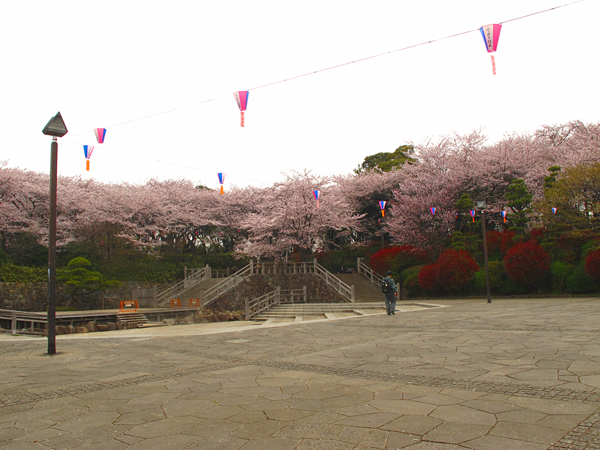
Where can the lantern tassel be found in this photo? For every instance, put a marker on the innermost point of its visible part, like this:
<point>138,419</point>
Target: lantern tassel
<point>317,203</point>
<point>383,213</point>
<point>493,64</point>
<point>222,190</point>
<point>242,123</point>
<point>87,165</point>
<point>473,219</point>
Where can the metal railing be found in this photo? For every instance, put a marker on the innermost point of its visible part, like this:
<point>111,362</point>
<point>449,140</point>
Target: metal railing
<point>192,277</point>
<point>367,272</point>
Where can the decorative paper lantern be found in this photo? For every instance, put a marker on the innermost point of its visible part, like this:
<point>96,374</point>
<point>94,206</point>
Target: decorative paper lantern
<point>473,215</point>
<point>87,151</point>
<point>221,180</point>
<point>491,35</point>
<point>382,206</point>
<point>241,97</point>
<point>317,195</point>
<point>554,210</point>
<point>433,209</point>
<point>100,134</point>
<point>504,215</point>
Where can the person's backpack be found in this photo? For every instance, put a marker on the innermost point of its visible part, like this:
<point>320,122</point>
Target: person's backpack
<point>386,286</point>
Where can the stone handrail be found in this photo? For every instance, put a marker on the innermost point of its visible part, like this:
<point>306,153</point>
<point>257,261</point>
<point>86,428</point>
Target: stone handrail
<point>342,288</point>
<point>367,272</point>
<point>263,303</point>
<point>272,268</point>
<point>227,284</point>
<point>277,297</point>
<point>23,316</point>
<point>191,279</point>
<point>292,296</point>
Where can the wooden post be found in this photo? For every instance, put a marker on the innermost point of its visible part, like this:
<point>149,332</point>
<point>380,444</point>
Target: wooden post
<point>305,294</point>
<point>353,295</point>
<point>247,308</point>
<point>13,324</point>
<point>279,295</point>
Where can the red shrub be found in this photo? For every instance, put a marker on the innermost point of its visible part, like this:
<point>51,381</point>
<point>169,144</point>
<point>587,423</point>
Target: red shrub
<point>388,258</point>
<point>592,265</point>
<point>538,234</point>
<point>494,239</point>
<point>527,263</point>
<point>455,269</point>
<point>507,241</point>
<point>428,278</point>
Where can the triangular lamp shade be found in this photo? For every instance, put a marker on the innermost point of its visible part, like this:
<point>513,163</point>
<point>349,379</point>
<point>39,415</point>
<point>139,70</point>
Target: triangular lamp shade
<point>56,126</point>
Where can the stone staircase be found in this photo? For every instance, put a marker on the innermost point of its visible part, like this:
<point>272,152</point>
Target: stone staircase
<point>132,320</point>
<point>311,311</point>
<point>364,290</point>
<point>196,291</point>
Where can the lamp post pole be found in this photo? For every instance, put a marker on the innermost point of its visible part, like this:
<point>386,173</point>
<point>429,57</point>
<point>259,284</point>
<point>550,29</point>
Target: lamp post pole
<point>485,257</point>
<point>52,250</point>
<point>56,128</point>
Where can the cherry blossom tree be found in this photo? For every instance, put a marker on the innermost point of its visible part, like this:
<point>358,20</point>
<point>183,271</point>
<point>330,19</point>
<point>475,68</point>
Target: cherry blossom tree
<point>289,216</point>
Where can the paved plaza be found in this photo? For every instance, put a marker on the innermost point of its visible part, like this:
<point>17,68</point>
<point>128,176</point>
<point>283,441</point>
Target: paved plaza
<point>514,374</point>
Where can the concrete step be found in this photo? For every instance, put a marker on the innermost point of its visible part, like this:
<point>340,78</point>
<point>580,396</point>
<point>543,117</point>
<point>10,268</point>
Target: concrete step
<point>364,290</point>
<point>135,318</point>
<point>151,325</point>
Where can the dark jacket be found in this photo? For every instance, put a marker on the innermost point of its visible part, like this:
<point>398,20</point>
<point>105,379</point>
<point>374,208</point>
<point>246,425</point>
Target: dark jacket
<point>393,284</point>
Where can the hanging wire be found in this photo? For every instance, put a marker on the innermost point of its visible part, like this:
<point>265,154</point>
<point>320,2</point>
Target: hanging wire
<point>333,67</point>
<point>301,76</point>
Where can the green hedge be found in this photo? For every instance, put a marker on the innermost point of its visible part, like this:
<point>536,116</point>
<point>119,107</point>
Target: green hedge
<point>9,273</point>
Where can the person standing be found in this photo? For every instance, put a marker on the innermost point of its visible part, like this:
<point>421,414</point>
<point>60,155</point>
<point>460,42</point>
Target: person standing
<point>388,287</point>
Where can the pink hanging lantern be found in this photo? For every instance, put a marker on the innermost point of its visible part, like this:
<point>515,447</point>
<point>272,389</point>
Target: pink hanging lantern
<point>87,151</point>
<point>473,215</point>
<point>221,181</point>
<point>317,195</point>
<point>554,210</point>
<point>433,209</point>
<point>382,206</point>
<point>241,97</point>
<point>100,134</point>
<point>504,215</point>
<point>491,35</point>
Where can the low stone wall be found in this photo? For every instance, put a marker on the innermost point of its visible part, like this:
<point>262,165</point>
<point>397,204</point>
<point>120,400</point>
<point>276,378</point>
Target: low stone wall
<point>26,296</point>
<point>34,296</point>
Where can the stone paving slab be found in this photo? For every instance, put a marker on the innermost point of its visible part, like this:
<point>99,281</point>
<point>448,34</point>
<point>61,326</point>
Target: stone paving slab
<point>515,374</point>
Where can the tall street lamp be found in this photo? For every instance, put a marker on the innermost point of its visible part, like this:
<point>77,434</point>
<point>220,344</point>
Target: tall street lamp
<point>56,128</point>
<point>481,204</point>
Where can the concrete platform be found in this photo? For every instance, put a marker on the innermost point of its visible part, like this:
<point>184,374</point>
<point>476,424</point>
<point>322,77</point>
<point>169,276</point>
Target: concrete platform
<point>514,374</point>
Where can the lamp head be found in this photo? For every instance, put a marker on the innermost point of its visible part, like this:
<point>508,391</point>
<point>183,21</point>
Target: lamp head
<point>56,126</point>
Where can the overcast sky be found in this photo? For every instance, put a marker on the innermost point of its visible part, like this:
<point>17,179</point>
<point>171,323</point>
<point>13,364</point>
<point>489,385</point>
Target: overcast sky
<point>104,64</point>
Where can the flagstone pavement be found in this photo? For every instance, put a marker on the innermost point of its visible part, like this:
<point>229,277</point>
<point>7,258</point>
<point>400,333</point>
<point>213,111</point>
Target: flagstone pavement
<point>513,374</point>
